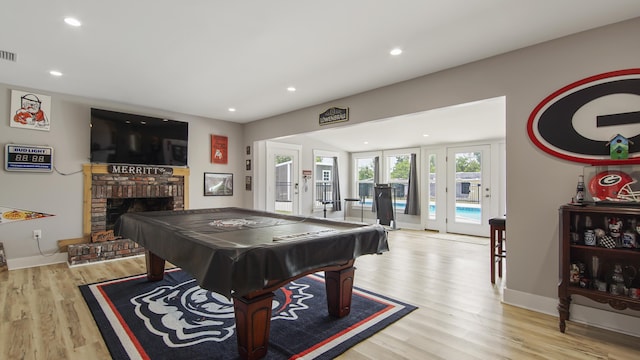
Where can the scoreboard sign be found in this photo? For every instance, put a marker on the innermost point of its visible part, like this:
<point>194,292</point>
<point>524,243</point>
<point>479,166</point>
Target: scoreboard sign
<point>28,158</point>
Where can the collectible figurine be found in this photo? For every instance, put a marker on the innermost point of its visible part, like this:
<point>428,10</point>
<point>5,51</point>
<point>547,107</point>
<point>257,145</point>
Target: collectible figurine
<point>574,274</point>
<point>629,239</point>
<point>615,225</point>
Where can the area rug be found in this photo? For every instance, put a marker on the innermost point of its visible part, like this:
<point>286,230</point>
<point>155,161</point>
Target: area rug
<point>176,319</point>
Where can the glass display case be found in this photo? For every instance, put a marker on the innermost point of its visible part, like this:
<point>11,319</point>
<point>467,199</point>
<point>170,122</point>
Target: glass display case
<point>612,185</point>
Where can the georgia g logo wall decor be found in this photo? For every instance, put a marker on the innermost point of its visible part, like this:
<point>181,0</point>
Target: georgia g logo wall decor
<point>577,122</point>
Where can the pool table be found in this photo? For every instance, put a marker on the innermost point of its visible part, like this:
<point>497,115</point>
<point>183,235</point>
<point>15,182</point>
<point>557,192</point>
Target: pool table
<point>247,254</point>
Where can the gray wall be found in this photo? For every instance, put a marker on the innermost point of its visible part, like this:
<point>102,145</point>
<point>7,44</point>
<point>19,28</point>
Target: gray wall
<point>61,195</point>
<point>525,77</point>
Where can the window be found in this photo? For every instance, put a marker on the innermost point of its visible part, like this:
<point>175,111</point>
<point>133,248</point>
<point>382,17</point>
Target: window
<point>398,177</point>
<point>365,177</point>
<point>323,178</point>
<point>393,169</point>
<point>432,186</point>
<point>326,175</point>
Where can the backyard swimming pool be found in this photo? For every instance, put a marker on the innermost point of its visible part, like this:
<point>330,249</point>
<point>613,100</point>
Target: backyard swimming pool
<point>464,212</point>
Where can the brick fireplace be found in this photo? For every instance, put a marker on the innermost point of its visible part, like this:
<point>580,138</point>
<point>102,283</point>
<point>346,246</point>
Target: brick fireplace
<point>108,195</point>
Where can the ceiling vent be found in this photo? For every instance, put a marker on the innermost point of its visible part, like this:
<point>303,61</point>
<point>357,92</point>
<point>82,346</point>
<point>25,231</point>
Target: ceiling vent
<point>8,55</point>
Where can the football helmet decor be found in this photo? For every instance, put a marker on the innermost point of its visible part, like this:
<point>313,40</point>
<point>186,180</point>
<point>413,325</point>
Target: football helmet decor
<point>613,185</point>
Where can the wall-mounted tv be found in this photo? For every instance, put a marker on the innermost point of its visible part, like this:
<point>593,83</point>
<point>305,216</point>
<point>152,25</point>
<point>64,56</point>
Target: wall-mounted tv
<point>121,138</point>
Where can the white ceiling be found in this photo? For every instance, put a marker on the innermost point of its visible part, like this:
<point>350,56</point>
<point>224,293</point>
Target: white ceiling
<point>202,57</point>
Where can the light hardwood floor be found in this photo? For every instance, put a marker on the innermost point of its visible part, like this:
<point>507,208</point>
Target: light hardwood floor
<point>43,315</point>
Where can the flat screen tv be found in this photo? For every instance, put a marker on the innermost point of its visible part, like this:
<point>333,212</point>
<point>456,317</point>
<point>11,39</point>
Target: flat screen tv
<point>121,138</point>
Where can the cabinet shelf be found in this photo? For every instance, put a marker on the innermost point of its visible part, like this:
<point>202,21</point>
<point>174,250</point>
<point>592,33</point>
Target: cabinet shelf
<point>573,251</point>
<point>613,251</point>
<point>618,302</point>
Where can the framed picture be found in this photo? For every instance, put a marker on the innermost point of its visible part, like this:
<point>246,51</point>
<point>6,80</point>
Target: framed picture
<point>30,111</point>
<point>247,164</point>
<point>219,148</point>
<point>218,184</point>
<point>248,150</point>
<point>247,183</point>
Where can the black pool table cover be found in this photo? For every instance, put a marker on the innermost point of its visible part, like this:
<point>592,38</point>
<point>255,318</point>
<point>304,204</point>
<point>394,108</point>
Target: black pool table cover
<point>235,251</point>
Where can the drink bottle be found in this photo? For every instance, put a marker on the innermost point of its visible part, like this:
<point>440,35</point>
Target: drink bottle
<point>580,189</point>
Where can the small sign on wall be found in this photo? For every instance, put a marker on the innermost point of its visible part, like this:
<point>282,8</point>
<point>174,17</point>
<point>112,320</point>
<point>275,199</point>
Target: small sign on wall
<point>334,115</point>
<point>28,158</point>
<point>139,169</point>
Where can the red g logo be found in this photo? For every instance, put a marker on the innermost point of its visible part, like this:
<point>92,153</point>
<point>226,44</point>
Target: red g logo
<point>577,122</point>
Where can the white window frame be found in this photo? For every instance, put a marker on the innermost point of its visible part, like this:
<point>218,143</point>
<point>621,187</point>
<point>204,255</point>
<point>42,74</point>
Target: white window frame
<point>324,154</point>
<point>354,173</point>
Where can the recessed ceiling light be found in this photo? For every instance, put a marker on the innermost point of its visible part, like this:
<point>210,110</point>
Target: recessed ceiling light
<point>366,142</point>
<point>291,89</point>
<point>395,52</point>
<point>425,135</point>
<point>72,21</point>
<point>232,109</point>
<point>55,73</point>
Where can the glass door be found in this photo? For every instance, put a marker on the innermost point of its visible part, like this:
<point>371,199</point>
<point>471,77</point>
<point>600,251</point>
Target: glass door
<point>434,198</point>
<point>468,190</point>
<point>283,185</point>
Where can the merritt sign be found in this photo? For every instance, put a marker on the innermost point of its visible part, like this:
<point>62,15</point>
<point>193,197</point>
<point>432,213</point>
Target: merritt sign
<point>139,170</point>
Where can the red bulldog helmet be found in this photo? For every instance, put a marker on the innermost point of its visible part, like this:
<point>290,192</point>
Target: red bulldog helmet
<point>613,185</point>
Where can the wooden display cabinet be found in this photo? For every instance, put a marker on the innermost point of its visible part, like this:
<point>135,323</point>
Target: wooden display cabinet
<point>574,251</point>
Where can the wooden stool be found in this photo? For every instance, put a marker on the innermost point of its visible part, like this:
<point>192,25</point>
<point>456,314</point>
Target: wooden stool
<point>497,246</point>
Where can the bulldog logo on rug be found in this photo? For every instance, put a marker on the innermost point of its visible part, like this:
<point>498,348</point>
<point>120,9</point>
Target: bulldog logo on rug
<point>185,314</point>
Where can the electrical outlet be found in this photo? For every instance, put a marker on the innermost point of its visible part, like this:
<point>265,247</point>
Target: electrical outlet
<point>37,234</point>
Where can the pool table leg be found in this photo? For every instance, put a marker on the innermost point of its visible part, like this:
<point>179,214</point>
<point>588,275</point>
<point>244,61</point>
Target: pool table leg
<point>253,320</point>
<point>155,266</point>
<point>339,287</point>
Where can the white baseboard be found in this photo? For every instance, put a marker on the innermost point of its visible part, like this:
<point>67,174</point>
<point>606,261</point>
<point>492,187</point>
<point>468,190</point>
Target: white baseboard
<point>603,319</point>
<point>34,261</point>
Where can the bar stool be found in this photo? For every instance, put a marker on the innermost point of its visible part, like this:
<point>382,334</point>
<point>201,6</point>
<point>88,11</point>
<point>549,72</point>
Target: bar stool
<point>346,204</point>
<point>324,206</point>
<point>498,245</point>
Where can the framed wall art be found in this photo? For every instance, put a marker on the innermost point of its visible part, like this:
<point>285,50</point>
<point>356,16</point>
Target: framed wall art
<point>219,149</point>
<point>218,184</point>
<point>30,111</point>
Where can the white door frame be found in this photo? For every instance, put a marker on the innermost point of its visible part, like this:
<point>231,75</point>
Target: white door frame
<point>439,223</point>
<point>293,150</point>
<point>497,181</point>
<point>486,198</point>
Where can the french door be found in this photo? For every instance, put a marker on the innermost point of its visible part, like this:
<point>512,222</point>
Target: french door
<point>469,200</point>
<point>283,178</point>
